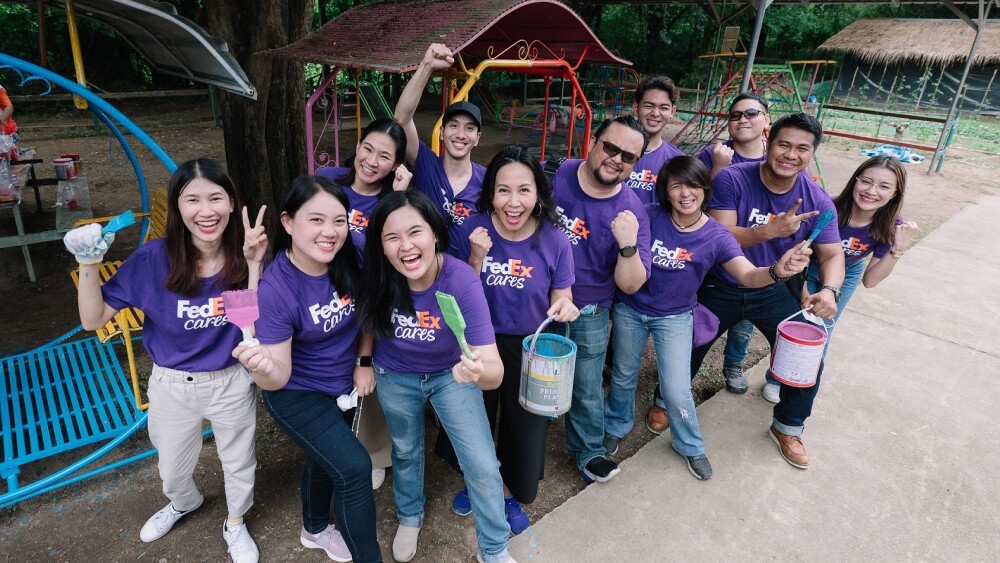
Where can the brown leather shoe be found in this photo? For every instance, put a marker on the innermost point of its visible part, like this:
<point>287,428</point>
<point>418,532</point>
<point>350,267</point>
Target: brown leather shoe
<point>791,448</point>
<point>657,421</point>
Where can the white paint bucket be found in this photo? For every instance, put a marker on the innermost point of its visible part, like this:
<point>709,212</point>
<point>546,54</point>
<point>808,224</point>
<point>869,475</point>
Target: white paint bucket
<point>798,350</point>
<point>65,169</point>
<point>548,362</point>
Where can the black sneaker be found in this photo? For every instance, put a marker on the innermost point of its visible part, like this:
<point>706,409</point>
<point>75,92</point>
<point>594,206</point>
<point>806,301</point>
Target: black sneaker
<point>611,444</point>
<point>699,466</point>
<point>736,382</point>
<point>600,469</point>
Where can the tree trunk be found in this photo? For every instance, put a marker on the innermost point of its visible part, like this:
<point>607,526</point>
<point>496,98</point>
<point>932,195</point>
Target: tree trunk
<point>264,138</point>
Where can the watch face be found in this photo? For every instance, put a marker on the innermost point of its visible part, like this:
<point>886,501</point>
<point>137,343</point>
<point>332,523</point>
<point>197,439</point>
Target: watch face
<point>627,252</point>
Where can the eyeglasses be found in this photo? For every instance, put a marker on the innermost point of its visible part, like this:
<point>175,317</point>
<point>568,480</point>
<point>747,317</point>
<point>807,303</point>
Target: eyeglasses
<point>613,150</point>
<point>882,188</point>
<point>751,113</point>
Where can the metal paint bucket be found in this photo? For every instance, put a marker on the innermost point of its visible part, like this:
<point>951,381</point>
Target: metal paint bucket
<point>798,351</point>
<point>65,169</point>
<point>548,362</point>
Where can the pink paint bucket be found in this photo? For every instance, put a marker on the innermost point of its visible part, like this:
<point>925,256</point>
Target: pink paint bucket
<point>65,169</point>
<point>798,351</point>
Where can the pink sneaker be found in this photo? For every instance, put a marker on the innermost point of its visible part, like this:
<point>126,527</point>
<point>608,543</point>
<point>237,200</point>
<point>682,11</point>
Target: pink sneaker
<point>330,541</point>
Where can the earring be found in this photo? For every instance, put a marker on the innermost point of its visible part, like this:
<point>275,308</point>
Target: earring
<point>538,207</point>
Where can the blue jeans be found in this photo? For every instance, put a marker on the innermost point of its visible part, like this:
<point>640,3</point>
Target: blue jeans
<point>672,343</point>
<point>337,467</point>
<point>585,419</point>
<point>852,277</point>
<point>737,344</point>
<point>460,409</point>
<point>765,307</point>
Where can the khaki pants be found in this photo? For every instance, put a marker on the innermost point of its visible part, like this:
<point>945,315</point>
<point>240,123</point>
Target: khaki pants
<point>373,432</point>
<point>178,402</point>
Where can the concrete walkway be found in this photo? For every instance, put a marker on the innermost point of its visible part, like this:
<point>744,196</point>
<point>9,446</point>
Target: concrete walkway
<point>903,442</point>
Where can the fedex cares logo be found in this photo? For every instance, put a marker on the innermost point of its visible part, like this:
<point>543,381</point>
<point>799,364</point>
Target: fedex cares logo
<point>641,180</point>
<point>575,228</point>
<point>458,211</point>
<point>672,258</point>
<point>854,247</point>
<point>358,221</point>
<point>511,273</point>
<point>331,313</point>
<point>420,326</point>
<point>212,313</point>
<point>757,218</point>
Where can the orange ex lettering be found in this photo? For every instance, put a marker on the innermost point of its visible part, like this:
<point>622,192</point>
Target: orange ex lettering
<point>579,228</point>
<point>425,320</point>
<point>358,218</point>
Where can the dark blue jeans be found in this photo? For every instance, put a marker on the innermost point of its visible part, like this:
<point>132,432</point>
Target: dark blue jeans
<point>337,468</point>
<point>764,307</point>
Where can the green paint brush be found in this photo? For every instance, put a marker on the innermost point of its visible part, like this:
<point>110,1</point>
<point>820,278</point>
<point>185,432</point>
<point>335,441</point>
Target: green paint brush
<point>454,319</point>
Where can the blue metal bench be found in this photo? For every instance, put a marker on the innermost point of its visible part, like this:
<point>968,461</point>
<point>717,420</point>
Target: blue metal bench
<point>64,395</point>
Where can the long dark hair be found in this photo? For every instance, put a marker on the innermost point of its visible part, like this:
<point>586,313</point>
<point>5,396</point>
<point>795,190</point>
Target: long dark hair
<point>883,224</point>
<point>387,127</point>
<point>385,288</point>
<point>183,275</point>
<point>343,270</point>
<point>545,209</point>
<point>686,170</point>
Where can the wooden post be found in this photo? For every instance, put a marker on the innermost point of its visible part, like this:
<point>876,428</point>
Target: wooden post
<point>43,55</point>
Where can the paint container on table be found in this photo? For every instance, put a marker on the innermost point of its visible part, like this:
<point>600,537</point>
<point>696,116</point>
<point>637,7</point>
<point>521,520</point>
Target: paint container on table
<point>65,170</point>
<point>798,350</point>
<point>548,363</point>
<point>77,163</point>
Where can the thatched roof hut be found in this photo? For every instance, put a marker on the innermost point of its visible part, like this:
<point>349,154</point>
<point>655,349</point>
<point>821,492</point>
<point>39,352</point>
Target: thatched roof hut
<point>917,41</point>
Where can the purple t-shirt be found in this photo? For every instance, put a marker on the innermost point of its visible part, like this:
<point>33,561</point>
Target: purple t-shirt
<point>739,187</point>
<point>421,340</point>
<point>680,262</point>
<point>361,205</point>
<point>186,333</point>
<point>857,243</point>
<point>642,180</point>
<point>429,177</point>
<point>321,323</point>
<point>518,276</point>
<point>586,221</point>
<point>705,156</point>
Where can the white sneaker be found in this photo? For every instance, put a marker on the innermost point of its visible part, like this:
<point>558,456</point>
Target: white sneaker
<point>510,559</point>
<point>160,523</point>
<point>330,541</point>
<point>378,477</point>
<point>242,549</point>
<point>404,545</point>
<point>772,393</point>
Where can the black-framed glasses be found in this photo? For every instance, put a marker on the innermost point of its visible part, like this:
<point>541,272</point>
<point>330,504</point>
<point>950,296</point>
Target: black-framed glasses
<point>613,150</point>
<point>750,113</point>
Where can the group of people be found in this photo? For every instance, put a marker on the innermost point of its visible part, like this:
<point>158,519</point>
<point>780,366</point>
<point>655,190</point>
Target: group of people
<point>350,320</point>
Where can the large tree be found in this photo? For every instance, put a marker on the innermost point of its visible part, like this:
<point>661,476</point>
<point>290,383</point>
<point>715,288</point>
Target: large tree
<point>264,138</point>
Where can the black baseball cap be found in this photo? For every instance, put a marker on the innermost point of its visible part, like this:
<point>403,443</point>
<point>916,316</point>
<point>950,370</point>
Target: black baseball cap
<point>463,107</point>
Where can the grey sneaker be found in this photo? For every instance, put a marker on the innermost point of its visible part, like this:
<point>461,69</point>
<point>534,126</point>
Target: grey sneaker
<point>160,523</point>
<point>736,382</point>
<point>699,466</point>
<point>611,444</point>
<point>329,540</point>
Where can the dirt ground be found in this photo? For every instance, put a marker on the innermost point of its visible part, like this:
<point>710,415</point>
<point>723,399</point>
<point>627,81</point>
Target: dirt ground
<point>99,519</point>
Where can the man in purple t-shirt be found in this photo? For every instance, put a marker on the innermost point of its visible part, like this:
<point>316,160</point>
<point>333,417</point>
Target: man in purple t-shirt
<point>452,181</point>
<point>771,207</point>
<point>655,103</point>
<point>608,229</point>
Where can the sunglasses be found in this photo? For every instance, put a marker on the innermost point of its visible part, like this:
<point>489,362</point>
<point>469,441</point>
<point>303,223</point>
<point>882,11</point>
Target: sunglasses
<point>749,113</point>
<point>613,150</point>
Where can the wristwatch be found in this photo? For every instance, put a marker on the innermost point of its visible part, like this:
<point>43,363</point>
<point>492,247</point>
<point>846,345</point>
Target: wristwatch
<point>627,251</point>
<point>363,361</point>
<point>835,290</point>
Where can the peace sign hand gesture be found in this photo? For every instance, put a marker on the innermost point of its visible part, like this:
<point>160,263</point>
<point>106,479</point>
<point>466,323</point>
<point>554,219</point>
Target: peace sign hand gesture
<point>786,223</point>
<point>254,238</point>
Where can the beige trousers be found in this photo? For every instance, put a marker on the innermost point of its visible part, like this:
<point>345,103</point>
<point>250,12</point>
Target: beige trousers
<point>373,432</point>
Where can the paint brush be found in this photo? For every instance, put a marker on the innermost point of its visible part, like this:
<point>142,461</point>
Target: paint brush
<point>118,223</point>
<point>241,310</point>
<point>824,220</point>
<point>454,319</point>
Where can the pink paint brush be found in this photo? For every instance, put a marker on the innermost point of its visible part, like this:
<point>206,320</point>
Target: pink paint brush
<point>241,310</point>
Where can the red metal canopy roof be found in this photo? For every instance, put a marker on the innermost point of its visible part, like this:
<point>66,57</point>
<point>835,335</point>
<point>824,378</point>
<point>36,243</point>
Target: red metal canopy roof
<point>392,36</point>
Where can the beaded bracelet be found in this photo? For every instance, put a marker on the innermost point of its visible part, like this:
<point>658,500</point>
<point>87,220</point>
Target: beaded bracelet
<point>774,274</point>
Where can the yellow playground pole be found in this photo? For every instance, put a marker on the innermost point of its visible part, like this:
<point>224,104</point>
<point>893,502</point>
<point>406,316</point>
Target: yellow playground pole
<point>74,41</point>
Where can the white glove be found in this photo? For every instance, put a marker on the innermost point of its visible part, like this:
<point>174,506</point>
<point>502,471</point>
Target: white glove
<point>348,402</point>
<point>88,243</point>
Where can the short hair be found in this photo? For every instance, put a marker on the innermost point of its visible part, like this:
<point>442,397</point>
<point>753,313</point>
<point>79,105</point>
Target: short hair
<point>343,270</point>
<point>657,83</point>
<point>686,170</point>
<point>627,121</point>
<point>748,95</point>
<point>518,154</point>
<point>883,225</point>
<point>801,121</point>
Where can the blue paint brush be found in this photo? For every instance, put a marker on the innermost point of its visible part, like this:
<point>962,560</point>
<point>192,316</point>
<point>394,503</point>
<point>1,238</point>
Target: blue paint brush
<point>120,222</point>
<point>824,220</point>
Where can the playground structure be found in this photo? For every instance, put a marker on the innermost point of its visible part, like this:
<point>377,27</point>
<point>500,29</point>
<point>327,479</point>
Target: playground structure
<point>541,39</point>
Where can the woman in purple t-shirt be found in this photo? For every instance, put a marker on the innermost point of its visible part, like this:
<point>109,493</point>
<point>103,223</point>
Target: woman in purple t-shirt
<point>870,225</point>
<point>525,264</point>
<point>309,339</point>
<point>178,282</point>
<point>418,358</point>
<point>686,243</point>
